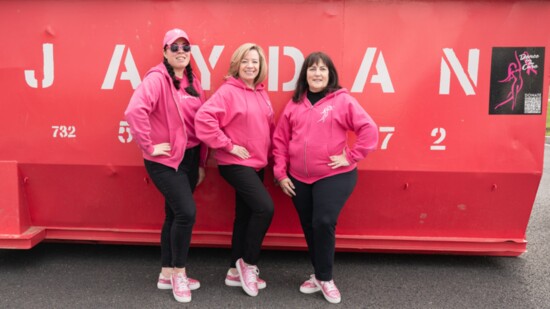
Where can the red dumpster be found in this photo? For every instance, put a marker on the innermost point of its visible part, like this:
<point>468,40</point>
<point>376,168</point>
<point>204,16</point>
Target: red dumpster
<point>456,87</point>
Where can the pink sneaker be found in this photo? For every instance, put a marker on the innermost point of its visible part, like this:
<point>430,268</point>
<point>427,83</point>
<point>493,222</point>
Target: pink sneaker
<point>330,291</point>
<point>165,284</point>
<point>180,287</point>
<point>248,274</point>
<point>309,286</point>
<point>235,280</point>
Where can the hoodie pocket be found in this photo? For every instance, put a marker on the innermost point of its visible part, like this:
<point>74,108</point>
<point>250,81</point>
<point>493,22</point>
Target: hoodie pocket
<point>317,159</point>
<point>296,155</point>
<point>257,148</point>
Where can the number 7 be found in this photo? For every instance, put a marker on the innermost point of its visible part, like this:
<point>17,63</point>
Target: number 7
<point>390,131</point>
<point>55,129</point>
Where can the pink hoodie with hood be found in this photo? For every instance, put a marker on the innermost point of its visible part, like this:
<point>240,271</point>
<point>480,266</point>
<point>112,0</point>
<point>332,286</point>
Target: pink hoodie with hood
<point>307,135</point>
<point>159,113</point>
<point>236,114</point>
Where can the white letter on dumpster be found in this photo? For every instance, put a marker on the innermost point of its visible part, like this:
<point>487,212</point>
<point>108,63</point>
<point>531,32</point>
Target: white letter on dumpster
<point>199,59</point>
<point>130,74</point>
<point>382,77</point>
<point>445,79</point>
<point>273,77</point>
<point>30,76</point>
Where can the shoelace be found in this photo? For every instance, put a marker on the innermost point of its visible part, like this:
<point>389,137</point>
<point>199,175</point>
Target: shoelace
<point>254,273</point>
<point>330,286</point>
<point>182,283</point>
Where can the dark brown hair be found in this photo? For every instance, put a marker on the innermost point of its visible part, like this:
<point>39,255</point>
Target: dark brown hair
<point>188,73</point>
<point>302,85</point>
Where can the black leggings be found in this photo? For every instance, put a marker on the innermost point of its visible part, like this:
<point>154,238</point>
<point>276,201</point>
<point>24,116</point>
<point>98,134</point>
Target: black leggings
<point>319,205</point>
<point>253,211</point>
<point>177,188</point>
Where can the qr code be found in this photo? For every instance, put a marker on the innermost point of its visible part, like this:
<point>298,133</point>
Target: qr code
<point>533,103</point>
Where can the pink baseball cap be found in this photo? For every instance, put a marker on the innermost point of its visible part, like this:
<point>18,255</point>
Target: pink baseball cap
<point>172,35</point>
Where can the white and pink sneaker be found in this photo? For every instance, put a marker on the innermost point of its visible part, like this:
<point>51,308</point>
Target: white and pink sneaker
<point>309,286</point>
<point>248,274</point>
<point>180,287</point>
<point>164,283</point>
<point>330,291</point>
<point>235,280</point>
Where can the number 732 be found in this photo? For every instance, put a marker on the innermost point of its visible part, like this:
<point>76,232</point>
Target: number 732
<point>64,131</point>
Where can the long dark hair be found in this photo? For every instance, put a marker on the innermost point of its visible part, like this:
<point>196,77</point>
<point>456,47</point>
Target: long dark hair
<point>188,73</point>
<point>302,85</point>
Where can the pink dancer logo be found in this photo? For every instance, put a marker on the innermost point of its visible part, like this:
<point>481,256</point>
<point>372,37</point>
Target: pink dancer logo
<point>515,76</point>
<point>324,113</point>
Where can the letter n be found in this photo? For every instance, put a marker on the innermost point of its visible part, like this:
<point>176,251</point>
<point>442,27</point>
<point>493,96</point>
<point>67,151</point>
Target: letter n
<point>468,82</point>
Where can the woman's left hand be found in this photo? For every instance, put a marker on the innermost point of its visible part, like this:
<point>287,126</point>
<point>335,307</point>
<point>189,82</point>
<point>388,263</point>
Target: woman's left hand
<point>339,160</point>
<point>240,152</point>
<point>288,187</point>
<point>202,175</point>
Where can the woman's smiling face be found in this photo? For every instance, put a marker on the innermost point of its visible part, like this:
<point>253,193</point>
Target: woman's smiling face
<point>250,67</point>
<point>317,76</point>
<point>179,59</point>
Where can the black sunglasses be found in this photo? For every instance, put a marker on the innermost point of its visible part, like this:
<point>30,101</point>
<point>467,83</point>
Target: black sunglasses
<point>175,47</point>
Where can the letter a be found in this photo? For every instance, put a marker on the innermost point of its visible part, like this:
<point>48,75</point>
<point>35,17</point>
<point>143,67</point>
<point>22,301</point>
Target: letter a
<point>382,77</point>
<point>130,74</point>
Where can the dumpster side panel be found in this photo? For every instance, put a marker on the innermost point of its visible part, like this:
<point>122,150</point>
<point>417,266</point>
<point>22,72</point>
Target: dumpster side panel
<point>455,171</point>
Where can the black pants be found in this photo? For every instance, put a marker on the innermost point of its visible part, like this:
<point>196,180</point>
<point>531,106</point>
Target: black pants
<point>177,188</point>
<point>253,212</point>
<point>319,205</point>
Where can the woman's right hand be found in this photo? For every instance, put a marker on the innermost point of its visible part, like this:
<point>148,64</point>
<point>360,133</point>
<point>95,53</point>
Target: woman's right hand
<point>240,152</point>
<point>288,187</point>
<point>162,149</point>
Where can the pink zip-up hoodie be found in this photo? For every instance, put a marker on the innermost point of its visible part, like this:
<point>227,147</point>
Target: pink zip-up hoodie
<point>307,135</point>
<point>237,115</point>
<point>159,113</point>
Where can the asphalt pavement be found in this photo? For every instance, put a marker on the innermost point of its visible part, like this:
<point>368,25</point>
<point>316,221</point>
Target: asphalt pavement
<point>65,275</point>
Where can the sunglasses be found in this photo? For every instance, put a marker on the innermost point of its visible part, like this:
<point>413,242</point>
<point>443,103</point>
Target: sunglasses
<point>175,47</point>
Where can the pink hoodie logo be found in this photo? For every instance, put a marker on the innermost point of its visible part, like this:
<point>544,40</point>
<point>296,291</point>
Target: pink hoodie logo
<point>185,96</point>
<point>324,113</point>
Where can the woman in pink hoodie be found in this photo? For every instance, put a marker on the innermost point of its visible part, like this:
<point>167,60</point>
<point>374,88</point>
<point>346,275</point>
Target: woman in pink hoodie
<point>161,115</point>
<point>237,121</point>
<point>314,164</point>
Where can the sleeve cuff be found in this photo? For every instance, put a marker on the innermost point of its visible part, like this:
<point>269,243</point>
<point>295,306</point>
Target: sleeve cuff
<point>228,147</point>
<point>150,150</point>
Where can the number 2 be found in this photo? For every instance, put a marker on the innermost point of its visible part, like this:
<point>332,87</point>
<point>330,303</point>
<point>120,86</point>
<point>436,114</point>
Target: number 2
<point>436,144</point>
